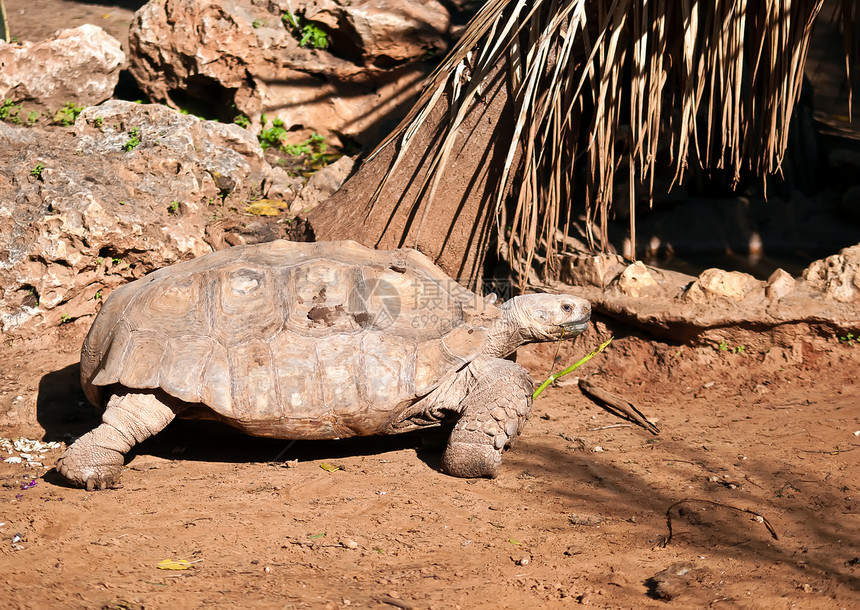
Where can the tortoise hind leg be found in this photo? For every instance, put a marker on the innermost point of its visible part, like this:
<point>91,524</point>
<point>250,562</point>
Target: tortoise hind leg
<point>493,413</point>
<point>95,460</point>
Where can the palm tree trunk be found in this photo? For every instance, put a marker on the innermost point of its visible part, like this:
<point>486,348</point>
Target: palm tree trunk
<point>454,227</point>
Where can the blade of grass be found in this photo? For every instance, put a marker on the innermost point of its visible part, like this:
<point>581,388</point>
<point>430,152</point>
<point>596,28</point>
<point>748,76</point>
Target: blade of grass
<point>571,368</point>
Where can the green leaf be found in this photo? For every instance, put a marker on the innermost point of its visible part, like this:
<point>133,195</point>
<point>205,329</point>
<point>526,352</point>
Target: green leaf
<point>571,368</point>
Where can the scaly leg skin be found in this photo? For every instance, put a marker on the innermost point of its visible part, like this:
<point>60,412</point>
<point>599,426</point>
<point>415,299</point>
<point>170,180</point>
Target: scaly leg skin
<point>493,413</point>
<point>95,460</point>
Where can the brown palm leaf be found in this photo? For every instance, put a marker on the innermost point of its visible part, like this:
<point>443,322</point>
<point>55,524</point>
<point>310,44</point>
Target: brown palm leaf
<point>712,82</point>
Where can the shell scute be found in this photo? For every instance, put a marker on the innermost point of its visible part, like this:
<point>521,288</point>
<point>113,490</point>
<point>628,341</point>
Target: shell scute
<point>296,370</point>
<point>216,388</point>
<point>182,366</point>
<point>253,386</point>
<point>244,303</point>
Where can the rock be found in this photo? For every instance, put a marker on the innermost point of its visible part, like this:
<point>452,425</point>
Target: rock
<point>80,65</point>
<point>675,580</point>
<point>591,269</point>
<point>242,57</point>
<point>731,307</point>
<point>716,283</point>
<point>837,276</point>
<point>72,229</point>
<point>322,185</point>
<point>779,284</point>
<point>636,279</point>
<point>386,32</point>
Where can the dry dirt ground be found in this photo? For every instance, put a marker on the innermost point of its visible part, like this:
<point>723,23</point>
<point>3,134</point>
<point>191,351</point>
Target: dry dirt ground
<point>749,443</point>
<point>579,515</point>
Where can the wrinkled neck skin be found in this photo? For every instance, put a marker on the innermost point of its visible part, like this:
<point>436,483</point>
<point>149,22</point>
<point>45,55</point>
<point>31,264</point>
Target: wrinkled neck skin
<point>509,333</point>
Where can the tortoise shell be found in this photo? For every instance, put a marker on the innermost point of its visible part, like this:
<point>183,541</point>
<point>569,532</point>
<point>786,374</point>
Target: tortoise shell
<point>286,339</point>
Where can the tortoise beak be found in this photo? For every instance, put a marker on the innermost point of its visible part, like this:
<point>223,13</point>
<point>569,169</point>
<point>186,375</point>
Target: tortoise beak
<point>575,327</point>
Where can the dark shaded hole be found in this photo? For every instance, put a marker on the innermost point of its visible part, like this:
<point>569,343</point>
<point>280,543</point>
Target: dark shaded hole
<point>204,97</point>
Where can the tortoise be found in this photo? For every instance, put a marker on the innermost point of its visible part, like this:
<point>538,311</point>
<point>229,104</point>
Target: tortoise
<point>312,341</point>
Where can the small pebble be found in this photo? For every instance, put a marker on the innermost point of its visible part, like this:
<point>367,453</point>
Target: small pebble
<point>349,544</point>
<point>523,561</point>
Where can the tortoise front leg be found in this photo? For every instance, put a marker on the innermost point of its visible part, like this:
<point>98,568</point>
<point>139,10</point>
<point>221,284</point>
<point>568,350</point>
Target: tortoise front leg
<point>95,460</point>
<point>493,412</point>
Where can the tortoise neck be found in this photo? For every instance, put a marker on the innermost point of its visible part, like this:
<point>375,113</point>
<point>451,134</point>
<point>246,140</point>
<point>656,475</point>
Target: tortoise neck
<point>506,335</point>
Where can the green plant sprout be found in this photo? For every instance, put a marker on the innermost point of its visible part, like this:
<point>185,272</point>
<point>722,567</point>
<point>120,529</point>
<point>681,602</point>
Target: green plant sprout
<point>849,339</point>
<point>37,171</point>
<point>724,347</point>
<point>9,111</point>
<point>242,121</point>
<point>272,136</point>
<point>571,368</point>
<point>308,34</point>
<point>314,145</point>
<point>65,318</point>
<point>173,208</point>
<point>133,139</point>
<point>67,114</point>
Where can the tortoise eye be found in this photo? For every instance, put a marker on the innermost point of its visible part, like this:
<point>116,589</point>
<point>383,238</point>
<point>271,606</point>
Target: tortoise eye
<point>566,308</point>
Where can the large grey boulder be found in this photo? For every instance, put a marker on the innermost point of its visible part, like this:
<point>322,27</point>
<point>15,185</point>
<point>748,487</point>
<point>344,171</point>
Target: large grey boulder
<point>244,57</point>
<point>130,188</point>
<point>79,65</point>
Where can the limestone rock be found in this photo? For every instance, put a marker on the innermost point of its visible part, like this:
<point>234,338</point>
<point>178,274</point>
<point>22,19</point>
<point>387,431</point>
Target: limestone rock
<point>86,209</point>
<point>241,57</point>
<point>322,185</point>
<point>79,65</point>
<point>717,283</point>
<point>591,270</point>
<point>779,284</point>
<point>386,32</point>
<point>837,276</point>
<point>636,280</point>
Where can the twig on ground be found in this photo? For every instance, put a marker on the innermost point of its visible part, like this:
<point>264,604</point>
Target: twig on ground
<point>759,518</point>
<point>610,426</point>
<point>397,603</point>
<point>617,406</point>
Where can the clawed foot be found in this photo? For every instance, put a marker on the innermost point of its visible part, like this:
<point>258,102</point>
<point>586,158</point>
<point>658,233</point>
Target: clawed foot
<point>87,465</point>
<point>471,460</point>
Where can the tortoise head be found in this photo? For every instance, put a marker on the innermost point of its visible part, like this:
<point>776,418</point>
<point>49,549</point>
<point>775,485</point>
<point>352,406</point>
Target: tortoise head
<point>538,317</point>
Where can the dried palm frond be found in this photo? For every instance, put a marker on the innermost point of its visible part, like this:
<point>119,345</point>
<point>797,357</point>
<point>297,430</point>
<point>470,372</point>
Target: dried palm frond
<point>712,82</point>
<point>848,13</point>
